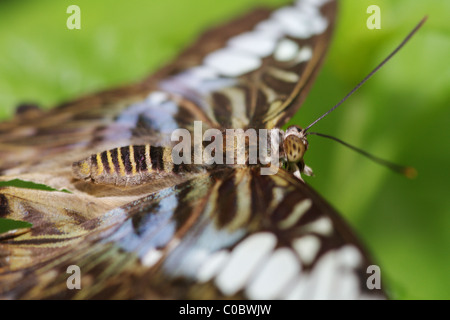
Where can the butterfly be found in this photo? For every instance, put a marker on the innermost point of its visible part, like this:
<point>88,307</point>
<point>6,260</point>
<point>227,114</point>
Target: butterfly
<point>140,227</point>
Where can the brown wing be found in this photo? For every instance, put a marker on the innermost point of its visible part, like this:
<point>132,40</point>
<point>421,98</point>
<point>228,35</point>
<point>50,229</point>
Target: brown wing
<point>256,71</point>
<point>41,146</point>
<point>234,234</point>
<point>107,119</point>
<point>252,72</point>
<point>138,237</point>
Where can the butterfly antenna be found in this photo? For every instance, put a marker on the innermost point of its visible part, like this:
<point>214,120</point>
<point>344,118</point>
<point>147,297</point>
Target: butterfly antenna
<point>407,171</point>
<point>371,73</point>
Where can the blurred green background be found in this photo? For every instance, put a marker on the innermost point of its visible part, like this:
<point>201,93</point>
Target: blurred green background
<point>401,114</point>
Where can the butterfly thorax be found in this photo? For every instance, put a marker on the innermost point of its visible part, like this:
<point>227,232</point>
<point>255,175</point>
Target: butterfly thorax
<point>284,149</point>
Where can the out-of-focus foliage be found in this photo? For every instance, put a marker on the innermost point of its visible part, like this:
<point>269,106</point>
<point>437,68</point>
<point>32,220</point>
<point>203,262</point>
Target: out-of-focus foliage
<point>401,114</point>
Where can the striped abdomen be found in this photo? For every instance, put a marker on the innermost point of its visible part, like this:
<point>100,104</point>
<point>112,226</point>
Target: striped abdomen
<point>126,166</point>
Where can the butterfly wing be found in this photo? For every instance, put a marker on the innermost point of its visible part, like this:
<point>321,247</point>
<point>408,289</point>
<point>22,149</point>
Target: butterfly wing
<point>166,240</point>
<point>41,146</point>
<point>254,71</point>
<point>231,234</point>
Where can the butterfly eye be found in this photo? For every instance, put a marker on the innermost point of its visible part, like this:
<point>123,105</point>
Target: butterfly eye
<point>294,148</point>
<point>293,130</point>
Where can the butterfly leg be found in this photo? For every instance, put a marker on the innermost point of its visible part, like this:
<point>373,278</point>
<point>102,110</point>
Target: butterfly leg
<point>295,171</point>
<point>308,171</point>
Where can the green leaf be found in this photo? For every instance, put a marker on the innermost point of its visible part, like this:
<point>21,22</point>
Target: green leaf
<point>9,224</point>
<point>18,183</point>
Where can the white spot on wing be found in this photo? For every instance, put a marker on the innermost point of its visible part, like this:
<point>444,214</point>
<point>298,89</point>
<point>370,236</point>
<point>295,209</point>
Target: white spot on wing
<point>334,280</point>
<point>350,256</point>
<point>212,265</point>
<point>254,42</point>
<point>323,226</point>
<point>281,268</point>
<point>331,278</point>
<point>316,2</point>
<point>307,7</point>
<point>151,258</point>
<point>304,55</point>
<point>318,24</point>
<point>346,286</point>
<point>300,23</point>
<point>270,28</point>
<point>307,248</point>
<point>192,260</point>
<point>203,72</point>
<point>286,50</point>
<point>157,97</point>
<point>318,284</point>
<point>201,78</point>
<point>294,22</point>
<point>232,63</point>
<point>300,289</point>
<point>243,262</point>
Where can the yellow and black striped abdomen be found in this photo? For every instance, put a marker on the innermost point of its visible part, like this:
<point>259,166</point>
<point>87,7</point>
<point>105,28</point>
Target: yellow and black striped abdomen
<point>126,166</point>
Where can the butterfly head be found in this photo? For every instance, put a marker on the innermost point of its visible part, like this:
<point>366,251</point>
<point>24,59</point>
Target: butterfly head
<point>295,144</point>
